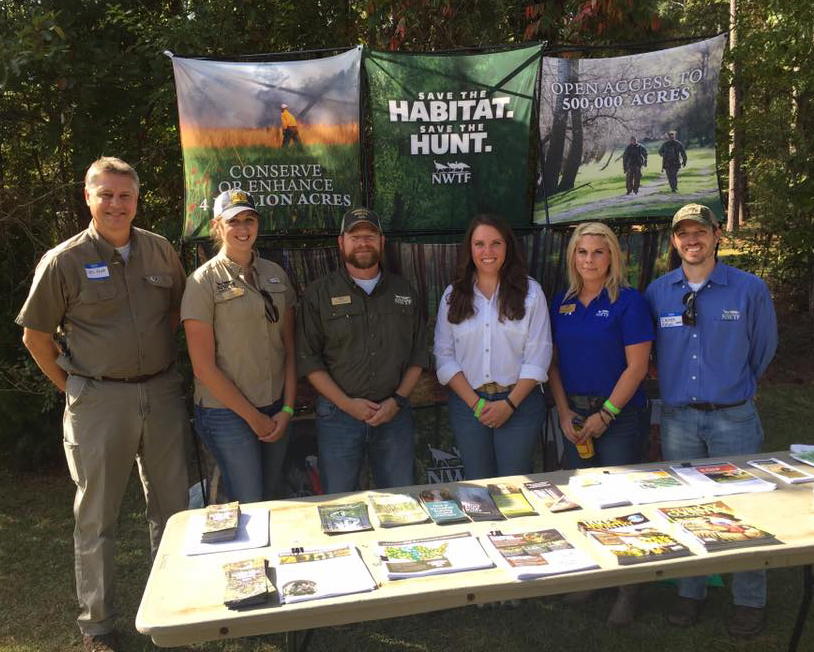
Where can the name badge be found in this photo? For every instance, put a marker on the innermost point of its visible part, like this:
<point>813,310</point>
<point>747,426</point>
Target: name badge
<point>568,308</point>
<point>340,301</point>
<point>670,320</point>
<point>96,271</point>
<point>225,290</point>
<point>402,300</point>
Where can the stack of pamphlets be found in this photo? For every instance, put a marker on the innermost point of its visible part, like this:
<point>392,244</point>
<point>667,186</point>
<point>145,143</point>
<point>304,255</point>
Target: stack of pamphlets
<point>804,456</point>
<point>715,526</point>
<point>220,523</point>
<point>632,539</point>
<point>722,479</point>
<point>656,486</point>
<point>433,556</point>
<point>350,517</point>
<point>247,583</point>
<point>782,471</point>
<point>599,490</point>
<point>553,499</point>
<point>393,510</point>
<point>528,555</point>
<point>314,573</point>
<point>510,500</point>
<point>478,504</point>
<point>442,506</point>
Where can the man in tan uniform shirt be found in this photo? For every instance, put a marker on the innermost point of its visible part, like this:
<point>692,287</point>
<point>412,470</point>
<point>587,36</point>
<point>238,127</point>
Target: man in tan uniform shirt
<point>111,294</point>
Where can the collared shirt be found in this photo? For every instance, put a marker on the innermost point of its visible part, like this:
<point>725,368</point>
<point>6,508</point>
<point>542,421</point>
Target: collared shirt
<point>591,340</point>
<point>735,337</point>
<point>115,319</point>
<point>249,348</point>
<point>488,350</point>
<point>364,342</point>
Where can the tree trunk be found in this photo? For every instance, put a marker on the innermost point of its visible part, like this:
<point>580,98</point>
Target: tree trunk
<point>571,167</point>
<point>736,135</point>
<point>556,143</point>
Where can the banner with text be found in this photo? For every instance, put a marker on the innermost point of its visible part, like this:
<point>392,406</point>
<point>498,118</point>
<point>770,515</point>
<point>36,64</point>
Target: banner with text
<point>287,132</point>
<point>451,136</point>
<point>628,137</point>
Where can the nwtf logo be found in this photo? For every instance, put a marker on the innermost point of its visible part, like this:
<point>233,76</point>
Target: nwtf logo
<point>455,172</point>
<point>445,466</point>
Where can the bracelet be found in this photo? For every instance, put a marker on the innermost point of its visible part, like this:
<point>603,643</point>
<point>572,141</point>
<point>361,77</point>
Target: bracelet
<point>288,409</point>
<point>611,408</point>
<point>602,418</point>
<point>479,407</point>
<point>611,416</point>
<point>511,405</point>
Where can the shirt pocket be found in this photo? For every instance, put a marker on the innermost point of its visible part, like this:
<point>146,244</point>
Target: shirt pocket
<point>341,322</point>
<point>277,292</point>
<point>248,305</point>
<point>97,300</point>
<point>158,290</point>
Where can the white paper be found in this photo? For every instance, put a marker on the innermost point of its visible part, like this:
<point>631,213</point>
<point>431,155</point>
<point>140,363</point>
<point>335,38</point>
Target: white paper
<point>252,532</point>
<point>314,573</point>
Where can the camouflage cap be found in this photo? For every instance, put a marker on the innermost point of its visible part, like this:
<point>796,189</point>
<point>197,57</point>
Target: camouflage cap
<point>696,213</point>
<point>230,203</point>
<point>357,216</point>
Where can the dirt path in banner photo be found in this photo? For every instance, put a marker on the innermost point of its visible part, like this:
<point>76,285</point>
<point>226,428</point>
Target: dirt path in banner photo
<point>655,191</point>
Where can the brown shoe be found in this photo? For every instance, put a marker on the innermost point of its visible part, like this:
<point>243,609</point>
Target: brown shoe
<point>685,612</point>
<point>100,643</point>
<point>623,612</point>
<point>746,622</point>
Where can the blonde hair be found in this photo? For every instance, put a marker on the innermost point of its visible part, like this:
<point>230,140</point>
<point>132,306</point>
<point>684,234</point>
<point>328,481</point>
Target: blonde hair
<point>214,232</point>
<point>110,164</point>
<point>616,276</point>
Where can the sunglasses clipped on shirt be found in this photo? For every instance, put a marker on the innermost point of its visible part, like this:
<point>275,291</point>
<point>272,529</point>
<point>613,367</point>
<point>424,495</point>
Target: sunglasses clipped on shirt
<point>272,314</point>
<point>690,314</point>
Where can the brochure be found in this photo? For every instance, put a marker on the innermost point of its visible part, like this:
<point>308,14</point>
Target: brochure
<point>442,506</point>
<point>806,457</point>
<point>715,526</point>
<point>782,471</point>
<point>528,555</point>
<point>478,504</point>
<point>252,532</point>
<point>314,573</point>
<point>656,486</point>
<point>247,583</point>
<point>632,539</point>
<point>510,500</point>
<point>433,556</point>
<point>722,479</point>
<point>553,499</point>
<point>599,490</point>
<point>350,517</point>
<point>220,523</point>
<point>393,510</point>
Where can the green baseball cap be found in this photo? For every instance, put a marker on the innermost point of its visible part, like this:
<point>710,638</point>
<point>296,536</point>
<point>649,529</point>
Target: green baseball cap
<point>697,213</point>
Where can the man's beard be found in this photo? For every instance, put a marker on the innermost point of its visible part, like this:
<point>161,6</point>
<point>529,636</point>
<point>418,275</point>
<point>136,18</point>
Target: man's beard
<point>371,261</point>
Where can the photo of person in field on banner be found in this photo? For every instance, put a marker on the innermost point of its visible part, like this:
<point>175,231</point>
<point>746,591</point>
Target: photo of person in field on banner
<point>594,112</point>
<point>285,131</point>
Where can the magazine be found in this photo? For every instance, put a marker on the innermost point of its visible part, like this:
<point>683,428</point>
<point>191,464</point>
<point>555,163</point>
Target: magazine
<point>527,555</point>
<point>722,479</point>
<point>782,471</point>
<point>553,499</point>
<point>442,506</point>
<point>247,583</point>
<point>433,556</point>
<point>350,517</point>
<point>220,523</point>
<point>715,526</point>
<point>478,504</point>
<point>598,490</point>
<point>656,486</point>
<point>806,457</point>
<point>632,539</point>
<point>393,510</point>
<point>314,573</point>
<point>510,500</point>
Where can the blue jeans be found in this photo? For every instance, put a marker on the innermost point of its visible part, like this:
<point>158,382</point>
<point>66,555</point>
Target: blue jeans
<point>690,434</point>
<point>249,467</point>
<point>343,442</point>
<point>622,443</point>
<point>493,452</point>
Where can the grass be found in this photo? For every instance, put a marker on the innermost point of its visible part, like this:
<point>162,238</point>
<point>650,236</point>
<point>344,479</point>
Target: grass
<point>39,608</point>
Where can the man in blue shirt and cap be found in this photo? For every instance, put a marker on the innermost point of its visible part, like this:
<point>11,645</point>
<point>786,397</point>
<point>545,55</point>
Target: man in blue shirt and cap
<point>716,332</point>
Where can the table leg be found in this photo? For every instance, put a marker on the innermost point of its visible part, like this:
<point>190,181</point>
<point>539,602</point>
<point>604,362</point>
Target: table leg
<point>808,585</point>
<point>293,642</point>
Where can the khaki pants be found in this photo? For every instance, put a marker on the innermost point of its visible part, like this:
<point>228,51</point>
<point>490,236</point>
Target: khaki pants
<point>106,426</point>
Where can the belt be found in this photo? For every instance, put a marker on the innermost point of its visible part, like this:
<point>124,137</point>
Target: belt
<point>586,402</point>
<point>711,407</point>
<point>132,379</point>
<point>494,388</point>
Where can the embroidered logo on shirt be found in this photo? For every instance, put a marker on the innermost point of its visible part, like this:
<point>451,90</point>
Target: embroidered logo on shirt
<point>603,313</point>
<point>274,279</point>
<point>225,290</point>
<point>340,301</point>
<point>731,315</point>
<point>568,308</point>
<point>403,301</point>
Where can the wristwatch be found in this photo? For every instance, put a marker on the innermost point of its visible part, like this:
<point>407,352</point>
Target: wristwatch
<point>400,400</point>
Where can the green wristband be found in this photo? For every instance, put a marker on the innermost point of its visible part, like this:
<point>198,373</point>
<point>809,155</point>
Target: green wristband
<point>479,407</point>
<point>611,408</point>
<point>288,409</point>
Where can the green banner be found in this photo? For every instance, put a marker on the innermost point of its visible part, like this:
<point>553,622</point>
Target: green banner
<point>451,136</point>
<point>287,132</point>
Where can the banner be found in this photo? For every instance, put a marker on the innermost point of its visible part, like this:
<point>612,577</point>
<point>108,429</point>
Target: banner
<point>628,137</point>
<point>451,136</point>
<point>286,132</point>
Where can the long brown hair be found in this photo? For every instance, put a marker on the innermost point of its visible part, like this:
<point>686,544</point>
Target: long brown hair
<point>514,276</point>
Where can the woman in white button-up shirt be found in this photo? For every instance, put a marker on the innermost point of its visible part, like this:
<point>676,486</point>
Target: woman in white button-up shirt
<point>493,348</point>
